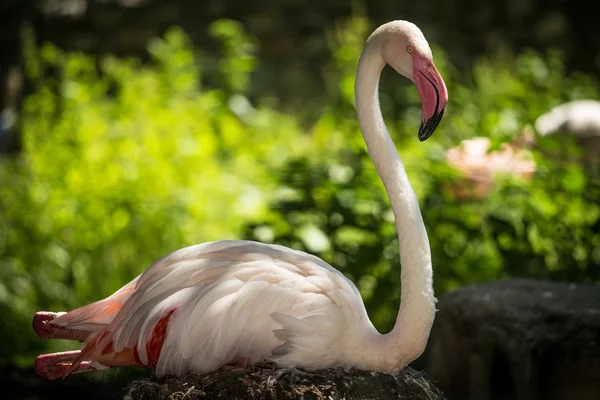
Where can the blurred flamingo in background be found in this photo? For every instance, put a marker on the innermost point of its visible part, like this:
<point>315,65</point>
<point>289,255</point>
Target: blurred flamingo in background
<point>578,120</point>
<point>481,167</point>
<point>578,117</point>
<point>242,302</point>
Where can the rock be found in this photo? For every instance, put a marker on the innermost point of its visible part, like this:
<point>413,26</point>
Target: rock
<point>268,383</point>
<point>517,339</point>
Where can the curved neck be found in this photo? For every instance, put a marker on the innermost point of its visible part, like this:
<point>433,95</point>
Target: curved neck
<point>408,338</point>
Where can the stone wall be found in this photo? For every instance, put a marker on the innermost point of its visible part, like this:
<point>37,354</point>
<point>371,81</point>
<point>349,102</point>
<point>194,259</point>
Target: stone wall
<point>517,339</point>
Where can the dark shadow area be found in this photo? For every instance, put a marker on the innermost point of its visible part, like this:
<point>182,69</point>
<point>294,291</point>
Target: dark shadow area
<point>502,385</point>
<point>23,383</point>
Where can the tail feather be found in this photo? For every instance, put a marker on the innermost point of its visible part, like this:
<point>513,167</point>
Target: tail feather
<point>95,316</point>
<point>91,317</point>
<point>99,349</point>
<point>94,342</point>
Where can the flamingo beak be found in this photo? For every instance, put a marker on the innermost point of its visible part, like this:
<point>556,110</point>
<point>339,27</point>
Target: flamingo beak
<point>433,93</point>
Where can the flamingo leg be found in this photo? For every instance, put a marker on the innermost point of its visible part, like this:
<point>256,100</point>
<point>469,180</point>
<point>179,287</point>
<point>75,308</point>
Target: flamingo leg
<point>265,364</point>
<point>241,363</point>
<point>45,330</point>
<point>56,365</point>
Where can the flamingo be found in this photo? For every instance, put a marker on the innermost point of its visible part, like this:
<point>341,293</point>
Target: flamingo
<point>480,166</point>
<point>579,120</point>
<point>578,117</point>
<point>235,302</point>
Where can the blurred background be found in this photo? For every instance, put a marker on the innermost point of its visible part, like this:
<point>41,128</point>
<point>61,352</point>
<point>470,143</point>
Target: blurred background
<point>131,128</point>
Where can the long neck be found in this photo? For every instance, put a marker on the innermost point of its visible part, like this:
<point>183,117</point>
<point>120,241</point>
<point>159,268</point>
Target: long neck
<point>408,338</point>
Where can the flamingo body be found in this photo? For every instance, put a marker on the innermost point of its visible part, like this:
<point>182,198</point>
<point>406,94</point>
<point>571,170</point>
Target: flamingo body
<point>298,305</point>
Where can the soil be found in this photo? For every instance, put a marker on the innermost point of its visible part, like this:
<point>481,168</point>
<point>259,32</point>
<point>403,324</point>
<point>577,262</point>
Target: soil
<point>284,384</point>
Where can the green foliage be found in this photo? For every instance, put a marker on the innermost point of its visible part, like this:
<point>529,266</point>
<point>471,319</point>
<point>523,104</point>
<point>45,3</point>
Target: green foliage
<point>124,162</point>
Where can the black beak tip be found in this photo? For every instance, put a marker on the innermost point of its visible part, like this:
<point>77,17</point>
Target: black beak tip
<point>424,132</point>
<point>428,126</point>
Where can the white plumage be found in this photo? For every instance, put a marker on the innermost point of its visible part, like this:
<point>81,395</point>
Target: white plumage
<point>242,290</point>
<point>579,117</point>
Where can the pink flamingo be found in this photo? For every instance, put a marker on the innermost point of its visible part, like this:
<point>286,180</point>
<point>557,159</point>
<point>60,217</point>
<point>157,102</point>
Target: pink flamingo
<point>239,302</point>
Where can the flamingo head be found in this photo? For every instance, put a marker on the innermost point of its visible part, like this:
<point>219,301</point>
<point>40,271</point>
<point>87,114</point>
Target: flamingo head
<point>406,50</point>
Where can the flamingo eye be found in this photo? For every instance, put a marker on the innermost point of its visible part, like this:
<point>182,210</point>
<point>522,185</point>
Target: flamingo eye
<point>409,49</point>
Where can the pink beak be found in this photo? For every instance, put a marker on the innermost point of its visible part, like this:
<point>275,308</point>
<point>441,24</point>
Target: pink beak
<point>433,93</point>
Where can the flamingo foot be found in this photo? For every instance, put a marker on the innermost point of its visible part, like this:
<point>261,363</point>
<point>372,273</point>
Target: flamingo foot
<point>264,364</point>
<point>236,365</point>
<point>231,368</point>
<point>56,365</point>
<point>45,330</point>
